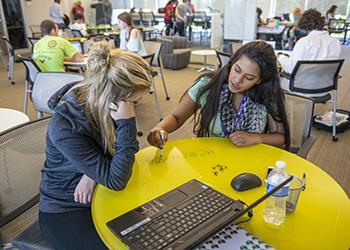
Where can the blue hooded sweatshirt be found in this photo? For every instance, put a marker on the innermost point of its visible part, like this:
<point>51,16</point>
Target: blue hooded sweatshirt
<point>74,148</point>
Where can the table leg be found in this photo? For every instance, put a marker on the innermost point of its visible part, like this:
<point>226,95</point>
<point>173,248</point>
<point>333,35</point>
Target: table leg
<point>205,67</point>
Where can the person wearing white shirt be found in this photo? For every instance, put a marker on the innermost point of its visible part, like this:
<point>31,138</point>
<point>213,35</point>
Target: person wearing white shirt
<point>317,45</point>
<point>79,25</point>
<point>55,13</point>
<point>130,37</point>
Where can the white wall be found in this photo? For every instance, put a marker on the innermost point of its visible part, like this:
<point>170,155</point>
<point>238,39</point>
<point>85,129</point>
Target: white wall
<point>36,11</point>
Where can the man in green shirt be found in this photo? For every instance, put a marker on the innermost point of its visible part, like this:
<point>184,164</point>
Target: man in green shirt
<point>51,51</point>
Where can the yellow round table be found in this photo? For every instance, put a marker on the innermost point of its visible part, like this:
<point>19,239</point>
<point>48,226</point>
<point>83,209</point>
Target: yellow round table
<point>321,219</point>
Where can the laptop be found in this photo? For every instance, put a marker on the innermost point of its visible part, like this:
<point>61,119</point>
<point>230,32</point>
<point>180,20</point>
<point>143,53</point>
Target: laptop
<point>77,46</point>
<point>181,218</point>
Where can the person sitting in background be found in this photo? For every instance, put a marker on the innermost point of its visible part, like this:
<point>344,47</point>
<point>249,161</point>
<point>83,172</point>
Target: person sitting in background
<point>297,13</point>
<point>55,12</point>
<point>260,20</point>
<point>78,9</point>
<point>79,25</point>
<point>317,45</point>
<point>330,14</point>
<point>91,138</point>
<point>242,101</point>
<point>168,16</point>
<point>130,37</point>
<point>51,51</point>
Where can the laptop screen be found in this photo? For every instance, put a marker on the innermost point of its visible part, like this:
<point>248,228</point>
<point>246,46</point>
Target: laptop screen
<point>77,46</point>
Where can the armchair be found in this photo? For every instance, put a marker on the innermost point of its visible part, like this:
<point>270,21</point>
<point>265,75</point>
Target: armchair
<point>175,52</point>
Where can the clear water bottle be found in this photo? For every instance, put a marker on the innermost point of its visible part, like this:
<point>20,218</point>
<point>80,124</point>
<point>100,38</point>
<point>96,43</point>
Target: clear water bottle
<point>275,206</point>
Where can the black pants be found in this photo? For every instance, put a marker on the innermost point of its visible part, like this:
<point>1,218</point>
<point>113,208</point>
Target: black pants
<point>169,26</point>
<point>70,230</point>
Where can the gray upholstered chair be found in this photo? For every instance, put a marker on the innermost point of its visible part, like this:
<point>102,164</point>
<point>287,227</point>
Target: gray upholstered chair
<point>175,52</point>
<point>22,155</point>
<point>46,84</point>
<point>299,111</point>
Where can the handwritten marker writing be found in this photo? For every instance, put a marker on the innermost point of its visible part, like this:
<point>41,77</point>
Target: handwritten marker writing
<point>161,134</point>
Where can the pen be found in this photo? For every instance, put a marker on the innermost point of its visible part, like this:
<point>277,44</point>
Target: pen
<point>161,135</point>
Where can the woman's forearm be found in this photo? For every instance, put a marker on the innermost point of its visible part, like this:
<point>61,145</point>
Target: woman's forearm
<point>274,139</point>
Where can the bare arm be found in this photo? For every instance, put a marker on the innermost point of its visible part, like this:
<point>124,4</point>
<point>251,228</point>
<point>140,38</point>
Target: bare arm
<point>172,122</point>
<point>78,57</point>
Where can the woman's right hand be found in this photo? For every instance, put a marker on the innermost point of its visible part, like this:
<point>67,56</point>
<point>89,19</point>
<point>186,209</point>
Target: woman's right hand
<point>154,139</point>
<point>122,110</point>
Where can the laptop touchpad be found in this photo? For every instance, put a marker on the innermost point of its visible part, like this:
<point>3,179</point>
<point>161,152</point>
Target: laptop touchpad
<point>173,198</point>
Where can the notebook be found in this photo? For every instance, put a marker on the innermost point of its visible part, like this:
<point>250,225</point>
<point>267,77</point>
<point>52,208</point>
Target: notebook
<point>181,218</point>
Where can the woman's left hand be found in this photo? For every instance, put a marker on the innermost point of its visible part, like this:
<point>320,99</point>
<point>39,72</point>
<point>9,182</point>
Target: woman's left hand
<point>83,191</point>
<point>244,139</point>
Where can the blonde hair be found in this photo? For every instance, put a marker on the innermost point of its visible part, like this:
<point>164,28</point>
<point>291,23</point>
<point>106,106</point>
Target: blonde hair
<point>297,11</point>
<point>111,76</point>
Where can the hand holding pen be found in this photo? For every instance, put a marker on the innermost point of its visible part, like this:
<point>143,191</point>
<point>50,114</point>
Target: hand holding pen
<point>157,138</point>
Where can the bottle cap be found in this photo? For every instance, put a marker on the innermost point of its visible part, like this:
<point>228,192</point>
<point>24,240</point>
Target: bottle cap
<point>280,164</point>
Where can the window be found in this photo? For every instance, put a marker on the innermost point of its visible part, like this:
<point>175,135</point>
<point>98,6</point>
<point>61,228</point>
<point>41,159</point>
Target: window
<point>279,7</point>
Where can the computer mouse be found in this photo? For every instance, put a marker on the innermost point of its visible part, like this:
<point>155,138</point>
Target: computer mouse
<point>245,181</point>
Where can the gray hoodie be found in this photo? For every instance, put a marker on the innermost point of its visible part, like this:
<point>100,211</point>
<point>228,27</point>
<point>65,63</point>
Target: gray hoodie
<point>74,148</point>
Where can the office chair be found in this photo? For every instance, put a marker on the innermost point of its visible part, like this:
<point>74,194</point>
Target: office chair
<point>46,84</point>
<point>147,19</point>
<point>136,18</point>
<point>32,69</point>
<point>33,40</point>
<point>317,77</point>
<point>11,59</point>
<point>36,32</point>
<point>336,26</point>
<point>223,58</point>
<point>22,154</point>
<point>299,111</point>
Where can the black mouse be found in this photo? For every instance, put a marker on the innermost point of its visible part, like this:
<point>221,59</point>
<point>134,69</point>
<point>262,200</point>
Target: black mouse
<point>245,181</point>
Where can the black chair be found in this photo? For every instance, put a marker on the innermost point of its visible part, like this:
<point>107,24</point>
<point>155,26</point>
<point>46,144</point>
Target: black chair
<point>136,18</point>
<point>33,40</point>
<point>36,32</point>
<point>11,59</point>
<point>223,58</point>
<point>32,69</point>
<point>148,19</point>
<point>317,77</point>
<point>77,33</point>
<point>336,26</point>
<point>22,153</point>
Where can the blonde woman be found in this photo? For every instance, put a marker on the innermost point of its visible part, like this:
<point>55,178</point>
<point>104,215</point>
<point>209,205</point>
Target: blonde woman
<point>91,138</point>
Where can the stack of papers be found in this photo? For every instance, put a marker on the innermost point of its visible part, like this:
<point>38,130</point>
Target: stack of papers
<point>327,118</point>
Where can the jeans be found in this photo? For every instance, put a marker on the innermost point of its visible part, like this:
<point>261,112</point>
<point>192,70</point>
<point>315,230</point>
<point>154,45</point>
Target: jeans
<point>180,28</point>
<point>70,230</point>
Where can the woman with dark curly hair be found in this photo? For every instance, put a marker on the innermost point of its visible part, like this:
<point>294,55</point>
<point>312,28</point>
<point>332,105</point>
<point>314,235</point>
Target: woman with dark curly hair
<point>317,45</point>
<point>243,101</point>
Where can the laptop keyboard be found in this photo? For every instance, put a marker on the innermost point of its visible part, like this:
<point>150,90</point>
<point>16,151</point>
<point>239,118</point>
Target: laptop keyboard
<point>176,222</point>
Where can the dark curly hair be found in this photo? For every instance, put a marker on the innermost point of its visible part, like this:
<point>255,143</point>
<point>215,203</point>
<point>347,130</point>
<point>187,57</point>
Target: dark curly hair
<point>311,20</point>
